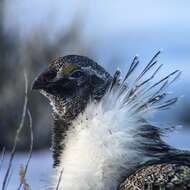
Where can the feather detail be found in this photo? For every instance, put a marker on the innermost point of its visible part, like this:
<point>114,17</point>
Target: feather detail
<point>111,136</point>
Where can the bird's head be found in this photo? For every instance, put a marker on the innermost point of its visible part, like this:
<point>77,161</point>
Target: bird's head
<point>71,81</point>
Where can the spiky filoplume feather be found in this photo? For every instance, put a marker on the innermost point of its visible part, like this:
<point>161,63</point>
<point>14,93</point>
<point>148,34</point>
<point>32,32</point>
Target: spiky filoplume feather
<point>109,137</point>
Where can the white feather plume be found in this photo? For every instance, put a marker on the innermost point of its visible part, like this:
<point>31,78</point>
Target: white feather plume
<point>100,147</point>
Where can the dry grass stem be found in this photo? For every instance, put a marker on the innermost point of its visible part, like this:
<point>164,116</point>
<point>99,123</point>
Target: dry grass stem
<point>23,182</point>
<point>22,173</point>
<point>2,157</point>
<point>17,133</point>
<point>60,176</point>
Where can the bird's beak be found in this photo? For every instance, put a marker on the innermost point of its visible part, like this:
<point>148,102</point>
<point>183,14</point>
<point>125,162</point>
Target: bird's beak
<point>43,80</point>
<point>47,81</point>
<point>37,84</point>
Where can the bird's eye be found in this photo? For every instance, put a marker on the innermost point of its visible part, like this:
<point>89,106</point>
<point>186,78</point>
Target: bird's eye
<point>77,74</point>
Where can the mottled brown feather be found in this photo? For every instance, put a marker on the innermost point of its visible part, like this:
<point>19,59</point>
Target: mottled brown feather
<point>159,177</point>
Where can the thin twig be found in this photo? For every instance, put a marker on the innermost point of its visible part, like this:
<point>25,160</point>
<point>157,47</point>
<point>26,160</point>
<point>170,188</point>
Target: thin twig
<point>30,151</point>
<point>22,178</point>
<point>9,178</point>
<point>2,157</point>
<point>17,133</point>
<point>60,176</point>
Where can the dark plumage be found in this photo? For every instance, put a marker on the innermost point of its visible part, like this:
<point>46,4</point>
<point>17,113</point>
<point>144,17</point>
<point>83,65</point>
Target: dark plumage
<point>70,98</point>
<point>72,82</point>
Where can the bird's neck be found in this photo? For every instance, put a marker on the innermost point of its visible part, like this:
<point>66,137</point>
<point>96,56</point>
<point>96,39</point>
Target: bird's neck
<point>100,147</point>
<point>58,134</point>
<point>62,122</point>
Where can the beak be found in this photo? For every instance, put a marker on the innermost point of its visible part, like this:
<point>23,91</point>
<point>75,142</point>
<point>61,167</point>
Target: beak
<point>38,83</point>
<point>46,81</point>
<point>43,80</point>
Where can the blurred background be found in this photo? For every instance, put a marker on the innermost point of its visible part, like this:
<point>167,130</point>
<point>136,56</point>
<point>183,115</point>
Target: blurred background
<point>32,33</point>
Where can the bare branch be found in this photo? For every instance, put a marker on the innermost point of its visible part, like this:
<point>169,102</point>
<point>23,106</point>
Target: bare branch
<point>17,133</point>
<point>22,178</point>
<point>60,176</point>
<point>30,151</point>
<point>2,157</point>
<point>9,178</point>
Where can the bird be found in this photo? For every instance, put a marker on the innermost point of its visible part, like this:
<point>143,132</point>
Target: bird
<point>102,137</point>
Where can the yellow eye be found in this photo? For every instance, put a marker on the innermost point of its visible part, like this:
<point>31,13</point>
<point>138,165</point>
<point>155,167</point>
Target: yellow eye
<point>68,68</point>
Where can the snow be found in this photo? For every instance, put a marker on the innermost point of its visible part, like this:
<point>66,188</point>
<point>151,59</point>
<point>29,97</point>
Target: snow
<point>38,172</point>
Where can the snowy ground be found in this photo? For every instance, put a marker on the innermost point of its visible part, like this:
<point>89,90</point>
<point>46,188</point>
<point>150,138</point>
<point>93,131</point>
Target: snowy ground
<point>38,172</point>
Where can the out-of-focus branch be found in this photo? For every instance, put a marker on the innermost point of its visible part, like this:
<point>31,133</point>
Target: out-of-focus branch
<point>59,180</point>
<point>9,178</point>
<point>17,133</point>
<point>22,180</point>
<point>2,157</point>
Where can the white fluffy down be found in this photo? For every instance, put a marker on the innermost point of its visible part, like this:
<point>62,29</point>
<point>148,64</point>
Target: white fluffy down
<point>100,147</point>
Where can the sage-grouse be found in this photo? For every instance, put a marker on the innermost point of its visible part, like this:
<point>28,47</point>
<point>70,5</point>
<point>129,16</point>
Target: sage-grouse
<point>102,139</point>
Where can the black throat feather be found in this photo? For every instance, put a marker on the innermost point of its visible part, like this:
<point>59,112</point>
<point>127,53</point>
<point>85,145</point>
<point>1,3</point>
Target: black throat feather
<point>61,126</point>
